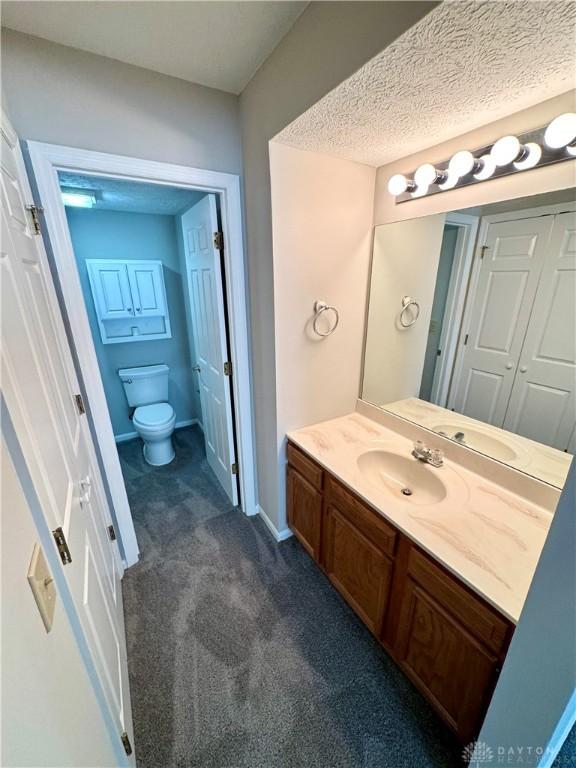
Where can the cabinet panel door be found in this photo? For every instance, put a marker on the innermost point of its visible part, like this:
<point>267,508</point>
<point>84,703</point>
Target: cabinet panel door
<point>453,670</point>
<point>357,568</point>
<point>110,289</point>
<point>147,286</point>
<point>305,512</point>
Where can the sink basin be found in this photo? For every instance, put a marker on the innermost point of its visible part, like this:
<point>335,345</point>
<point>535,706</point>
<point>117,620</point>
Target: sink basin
<point>405,478</point>
<point>479,441</point>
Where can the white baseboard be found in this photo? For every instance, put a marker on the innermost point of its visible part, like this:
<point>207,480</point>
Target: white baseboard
<point>282,535</point>
<point>125,436</point>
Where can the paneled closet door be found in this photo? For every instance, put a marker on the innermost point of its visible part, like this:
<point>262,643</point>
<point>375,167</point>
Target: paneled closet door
<point>147,287</point>
<point>110,288</point>
<point>507,281</point>
<point>542,404</point>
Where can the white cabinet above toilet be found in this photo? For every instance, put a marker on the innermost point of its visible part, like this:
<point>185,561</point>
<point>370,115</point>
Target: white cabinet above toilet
<point>129,299</point>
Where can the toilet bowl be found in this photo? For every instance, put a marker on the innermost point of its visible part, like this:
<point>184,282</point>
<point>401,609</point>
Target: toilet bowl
<point>146,390</point>
<point>155,425</point>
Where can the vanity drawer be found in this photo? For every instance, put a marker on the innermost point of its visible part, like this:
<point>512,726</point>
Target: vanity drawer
<point>487,626</point>
<point>307,468</point>
<point>366,520</point>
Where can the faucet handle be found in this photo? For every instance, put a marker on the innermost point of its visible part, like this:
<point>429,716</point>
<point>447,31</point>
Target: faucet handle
<point>436,457</point>
<point>419,446</point>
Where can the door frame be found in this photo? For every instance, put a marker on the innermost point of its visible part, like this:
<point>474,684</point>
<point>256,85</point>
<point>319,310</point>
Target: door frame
<point>459,278</point>
<point>46,160</point>
<point>485,222</point>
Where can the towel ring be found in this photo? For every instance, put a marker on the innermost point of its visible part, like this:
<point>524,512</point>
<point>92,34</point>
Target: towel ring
<point>319,308</point>
<point>408,301</point>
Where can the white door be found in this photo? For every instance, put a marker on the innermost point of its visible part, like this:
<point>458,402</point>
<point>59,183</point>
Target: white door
<point>110,288</point>
<point>147,287</point>
<point>514,252</point>
<point>39,385</point>
<point>542,404</point>
<point>206,293</point>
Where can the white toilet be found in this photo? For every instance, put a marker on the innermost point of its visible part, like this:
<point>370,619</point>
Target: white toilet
<point>154,418</point>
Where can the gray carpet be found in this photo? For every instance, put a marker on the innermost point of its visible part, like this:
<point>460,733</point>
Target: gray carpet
<point>241,654</point>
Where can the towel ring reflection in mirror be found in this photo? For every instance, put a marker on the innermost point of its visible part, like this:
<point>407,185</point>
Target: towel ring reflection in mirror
<point>319,308</point>
<point>407,302</point>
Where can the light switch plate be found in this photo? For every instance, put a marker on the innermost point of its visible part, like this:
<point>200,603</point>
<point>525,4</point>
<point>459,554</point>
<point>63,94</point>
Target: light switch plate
<point>42,586</point>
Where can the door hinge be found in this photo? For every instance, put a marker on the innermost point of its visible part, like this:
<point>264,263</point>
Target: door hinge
<point>62,545</point>
<point>111,533</point>
<point>126,743</point>
<point>35,212</point>
<point>227,369</point>
<point>218,240</point>
<point>234,468</point>
<point>80,404</point>
<point>438,352</point>
<point>483,249</point>
<point>466,339</point>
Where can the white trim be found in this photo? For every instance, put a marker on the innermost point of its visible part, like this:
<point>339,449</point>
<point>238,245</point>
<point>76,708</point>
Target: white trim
<point>458,285</point>
<point>124,437</point>
<point>282,535</point>
<point>46,161</point>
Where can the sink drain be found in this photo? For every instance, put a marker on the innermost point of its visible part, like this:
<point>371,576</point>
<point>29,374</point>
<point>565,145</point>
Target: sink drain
<point>406,492</point>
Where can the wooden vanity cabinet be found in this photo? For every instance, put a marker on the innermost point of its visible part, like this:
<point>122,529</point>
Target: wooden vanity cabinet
<point>447,640</point>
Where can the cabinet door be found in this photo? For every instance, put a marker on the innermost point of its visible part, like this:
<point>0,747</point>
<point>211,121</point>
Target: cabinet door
<point>305,512</point>
<point>357,568</point>
<point>455,672</point>
<point>541,405</point>
<point>110,289</point>
<point>147,286</point>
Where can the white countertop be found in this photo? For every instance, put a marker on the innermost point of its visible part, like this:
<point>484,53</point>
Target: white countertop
<point>488,536</point>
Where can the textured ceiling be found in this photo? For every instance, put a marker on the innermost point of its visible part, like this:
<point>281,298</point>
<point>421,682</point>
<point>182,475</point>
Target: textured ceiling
<point>132,196</point>
<point>218,44</point>
<point>462,66</point>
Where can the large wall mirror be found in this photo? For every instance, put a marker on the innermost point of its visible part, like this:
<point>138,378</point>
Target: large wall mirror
<point>471,329</point>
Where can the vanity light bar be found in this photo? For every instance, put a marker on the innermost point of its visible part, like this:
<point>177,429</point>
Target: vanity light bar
<point>554,143</point>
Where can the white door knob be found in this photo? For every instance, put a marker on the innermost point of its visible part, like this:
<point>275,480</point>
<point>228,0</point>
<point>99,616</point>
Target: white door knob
<point>523,369</point>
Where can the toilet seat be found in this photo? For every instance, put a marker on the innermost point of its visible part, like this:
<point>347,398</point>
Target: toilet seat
<point>153,416</point>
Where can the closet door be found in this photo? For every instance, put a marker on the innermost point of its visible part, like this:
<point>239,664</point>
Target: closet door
<point>514,252</point>
<point>147,287</point>
<point>542,404</point>
<point>110,288</point>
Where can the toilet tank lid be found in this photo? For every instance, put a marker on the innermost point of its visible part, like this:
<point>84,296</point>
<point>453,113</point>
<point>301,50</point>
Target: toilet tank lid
<point>142,371</point>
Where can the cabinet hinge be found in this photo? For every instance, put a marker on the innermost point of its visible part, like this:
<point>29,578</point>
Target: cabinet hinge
<point>62,545</point>
<point>126,743</point>
<point>35,212</point>
<point>80,404</point>
<point>218,240</point>
<point>234,468</point>
<point>483,249</point>
<point>227,369</point>
<point>111,533</point>
<point>466,339</point>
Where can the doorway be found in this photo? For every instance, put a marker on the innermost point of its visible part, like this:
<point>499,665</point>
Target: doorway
<point>138,322</point>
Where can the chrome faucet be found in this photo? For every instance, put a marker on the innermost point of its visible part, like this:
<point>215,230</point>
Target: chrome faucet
<point>431,456</point>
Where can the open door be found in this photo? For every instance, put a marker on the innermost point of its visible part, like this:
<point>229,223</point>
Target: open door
<point>204,282</point>
<point>41,391</point>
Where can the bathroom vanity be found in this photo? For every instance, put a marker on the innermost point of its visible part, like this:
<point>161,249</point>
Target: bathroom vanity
<point>439,575</point>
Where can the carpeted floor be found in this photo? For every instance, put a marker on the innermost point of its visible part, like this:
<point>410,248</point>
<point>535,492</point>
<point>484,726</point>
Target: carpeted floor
<point>241,653</point>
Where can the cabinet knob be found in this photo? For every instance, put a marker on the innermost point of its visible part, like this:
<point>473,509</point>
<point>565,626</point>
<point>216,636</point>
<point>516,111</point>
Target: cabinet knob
<point>138,309</point>
<point>523,369</point>
<point>130,309</point>
<point>509,366</point>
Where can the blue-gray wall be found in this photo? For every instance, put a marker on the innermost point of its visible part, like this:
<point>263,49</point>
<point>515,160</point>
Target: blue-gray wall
<point>138,236</point>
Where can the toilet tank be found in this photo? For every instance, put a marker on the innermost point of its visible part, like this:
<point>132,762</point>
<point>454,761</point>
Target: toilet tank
<point>145,385</point>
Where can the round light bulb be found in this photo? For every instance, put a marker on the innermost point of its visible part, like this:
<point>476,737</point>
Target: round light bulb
<point>533,153</point>
<point>450,181</point>
<point>505,150</point>
<point>425,175</point>
<point>561,131</point>
<point>571,151</point>
<point>397,184</point>
<point>462,163</point>
<point>488,166</point>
